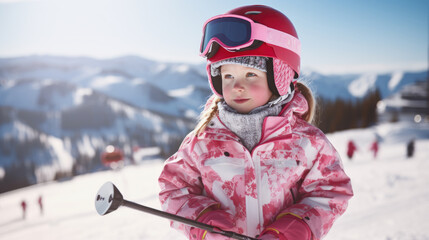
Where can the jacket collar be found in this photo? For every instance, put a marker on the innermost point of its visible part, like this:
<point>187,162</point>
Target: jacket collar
<point>284,122</point>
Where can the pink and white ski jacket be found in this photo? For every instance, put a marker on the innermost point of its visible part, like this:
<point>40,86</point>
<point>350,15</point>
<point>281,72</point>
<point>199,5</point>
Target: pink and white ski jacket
<point>292,170</point>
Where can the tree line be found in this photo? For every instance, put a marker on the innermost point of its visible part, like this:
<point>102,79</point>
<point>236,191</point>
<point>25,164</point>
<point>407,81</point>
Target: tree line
<point>343,114</point>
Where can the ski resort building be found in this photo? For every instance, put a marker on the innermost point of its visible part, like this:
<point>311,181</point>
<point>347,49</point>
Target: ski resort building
<point>409,104</point>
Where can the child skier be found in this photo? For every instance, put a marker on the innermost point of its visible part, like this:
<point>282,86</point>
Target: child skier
<point>351,148</point>
<point>374,148</point>
<point>254,164</point>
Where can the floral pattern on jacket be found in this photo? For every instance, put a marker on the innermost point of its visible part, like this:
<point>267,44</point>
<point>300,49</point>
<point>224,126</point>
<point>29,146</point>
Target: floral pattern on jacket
<point>294,169</point>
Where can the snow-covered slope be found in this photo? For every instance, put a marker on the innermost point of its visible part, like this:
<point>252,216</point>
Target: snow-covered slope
<point>390,199</point>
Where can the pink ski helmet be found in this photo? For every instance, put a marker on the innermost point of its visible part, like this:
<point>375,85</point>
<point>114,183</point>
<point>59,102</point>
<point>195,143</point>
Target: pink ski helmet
<point>255,30</point>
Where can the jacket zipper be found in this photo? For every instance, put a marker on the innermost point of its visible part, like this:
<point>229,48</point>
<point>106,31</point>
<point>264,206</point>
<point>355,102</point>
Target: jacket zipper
<point>257,167</point>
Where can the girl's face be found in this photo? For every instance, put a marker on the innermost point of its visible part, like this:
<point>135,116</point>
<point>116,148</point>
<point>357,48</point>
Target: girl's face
<point>244,88</point>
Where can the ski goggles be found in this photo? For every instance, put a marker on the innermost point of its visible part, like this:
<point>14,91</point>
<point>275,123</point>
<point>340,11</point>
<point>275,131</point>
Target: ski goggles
<point>235,32</point>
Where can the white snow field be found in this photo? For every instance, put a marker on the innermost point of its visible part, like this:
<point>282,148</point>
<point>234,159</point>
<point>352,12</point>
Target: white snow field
<point>391,199</point>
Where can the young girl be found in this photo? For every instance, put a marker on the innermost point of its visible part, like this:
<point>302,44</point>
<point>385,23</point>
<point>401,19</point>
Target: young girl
<point>254,164</point>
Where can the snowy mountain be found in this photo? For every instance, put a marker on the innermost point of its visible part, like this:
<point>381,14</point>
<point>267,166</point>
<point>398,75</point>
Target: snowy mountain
<point>57,114</point>
<point>390,196</point>
<point>355,86</point>
<point>139,82</point>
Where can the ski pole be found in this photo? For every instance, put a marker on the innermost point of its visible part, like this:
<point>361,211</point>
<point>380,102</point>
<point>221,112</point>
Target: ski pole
<point>108,199</point>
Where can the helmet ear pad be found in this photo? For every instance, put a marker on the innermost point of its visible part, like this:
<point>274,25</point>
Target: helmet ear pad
<point>283,76</point>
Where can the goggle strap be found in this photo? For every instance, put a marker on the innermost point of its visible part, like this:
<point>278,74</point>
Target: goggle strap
<point>276,37</point>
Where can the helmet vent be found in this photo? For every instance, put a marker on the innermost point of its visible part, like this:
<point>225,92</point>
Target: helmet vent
<point>252,12</point>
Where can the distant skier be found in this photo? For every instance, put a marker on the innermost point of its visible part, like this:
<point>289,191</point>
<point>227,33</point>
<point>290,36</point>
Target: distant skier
<point>24,209</point>
<point>40,202</point>
<point>374,148</point>
<point>351,148</point>
<point>410,148</point>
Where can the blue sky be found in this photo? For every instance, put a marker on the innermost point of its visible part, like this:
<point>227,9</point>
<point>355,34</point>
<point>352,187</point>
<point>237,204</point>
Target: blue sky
<point>336,35</point>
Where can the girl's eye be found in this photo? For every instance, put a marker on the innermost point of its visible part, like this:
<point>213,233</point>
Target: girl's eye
<point>250,74</point>
<point>228,76</point>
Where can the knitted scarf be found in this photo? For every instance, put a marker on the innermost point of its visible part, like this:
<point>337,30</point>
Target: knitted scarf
<point>248,127</point>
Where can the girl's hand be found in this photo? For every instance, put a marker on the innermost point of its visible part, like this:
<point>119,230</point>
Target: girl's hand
<point>287,227</point>
<point>216,218</point>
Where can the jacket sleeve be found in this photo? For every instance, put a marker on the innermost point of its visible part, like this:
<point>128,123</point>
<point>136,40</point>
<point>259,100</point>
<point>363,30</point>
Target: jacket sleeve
<point>182,192</point>
<point>324,192</point>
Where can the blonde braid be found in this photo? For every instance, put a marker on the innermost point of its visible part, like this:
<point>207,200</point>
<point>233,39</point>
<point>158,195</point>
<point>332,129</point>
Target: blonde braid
<point>207,115</point>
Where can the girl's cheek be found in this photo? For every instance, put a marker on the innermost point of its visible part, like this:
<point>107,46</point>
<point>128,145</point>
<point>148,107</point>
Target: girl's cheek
<point>226,92</point>
<point>259,93</point>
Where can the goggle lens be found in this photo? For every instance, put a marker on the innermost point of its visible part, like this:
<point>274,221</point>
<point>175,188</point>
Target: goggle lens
<point>230,31</point>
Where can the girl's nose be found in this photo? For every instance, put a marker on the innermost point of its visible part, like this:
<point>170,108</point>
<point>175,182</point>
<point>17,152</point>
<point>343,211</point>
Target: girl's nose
<point>238,85</point>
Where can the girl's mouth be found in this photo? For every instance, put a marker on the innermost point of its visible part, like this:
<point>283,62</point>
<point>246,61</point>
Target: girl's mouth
<point>240,100</point>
